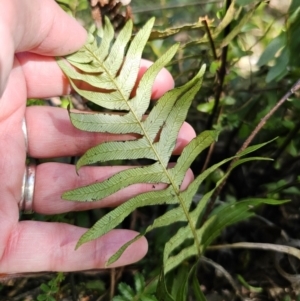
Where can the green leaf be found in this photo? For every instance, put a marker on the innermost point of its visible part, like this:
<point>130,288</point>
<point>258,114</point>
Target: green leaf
<point>205,236</point>
<point>272,48</point>
<point>97,285</point>
<point>255,147</point>
<point>243,2</point>
<point>161,290</point>
<point>183,277</point>
<point>229,214</point>
<point>206,107</point>
<point>197,291</point>
<point>231,13</point>
<point>237,29</point>
<point>281,66</point>
<point>141,292</point>
<point>139,283</point>
<point>218,220</point>
<point>82,5</point>
<point>45,288</point>
<point>126,291</point>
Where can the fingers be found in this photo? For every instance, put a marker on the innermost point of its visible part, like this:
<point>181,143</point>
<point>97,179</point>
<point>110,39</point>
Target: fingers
<point>6,57</point>
<point>45,79</point>
<point>125,2</point>
<point>163,82</point>
<point>43,76</point>
<point>40,26</point>
<point>40,246</point>
<point>51,134</point>
<point>53,179</point>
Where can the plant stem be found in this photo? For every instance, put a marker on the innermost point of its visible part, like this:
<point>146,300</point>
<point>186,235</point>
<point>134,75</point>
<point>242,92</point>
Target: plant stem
<point>260,246</point>
<point>220,77</point>
<point>211,41</point>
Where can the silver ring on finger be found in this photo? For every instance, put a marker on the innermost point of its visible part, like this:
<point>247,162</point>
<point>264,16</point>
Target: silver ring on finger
<point>26,203</point>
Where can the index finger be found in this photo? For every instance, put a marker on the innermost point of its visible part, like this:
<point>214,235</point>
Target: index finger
<point>44,78</point>
<point>40,246</point>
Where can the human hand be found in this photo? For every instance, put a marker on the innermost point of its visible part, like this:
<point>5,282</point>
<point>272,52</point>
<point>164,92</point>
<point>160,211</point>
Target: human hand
<point>32,32</point>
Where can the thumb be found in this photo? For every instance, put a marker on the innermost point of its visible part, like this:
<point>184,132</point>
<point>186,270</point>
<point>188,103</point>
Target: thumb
<point>39,26</point>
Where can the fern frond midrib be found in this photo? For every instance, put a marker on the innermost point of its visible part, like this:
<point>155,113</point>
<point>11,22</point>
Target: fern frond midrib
<point>152,146</point>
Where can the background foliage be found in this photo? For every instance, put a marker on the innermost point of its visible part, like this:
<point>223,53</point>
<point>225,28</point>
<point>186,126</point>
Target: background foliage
<point>247,74</point>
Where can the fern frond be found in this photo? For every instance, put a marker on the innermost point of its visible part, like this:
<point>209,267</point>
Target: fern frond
<point>111,67</point>
<point>115,74</point>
